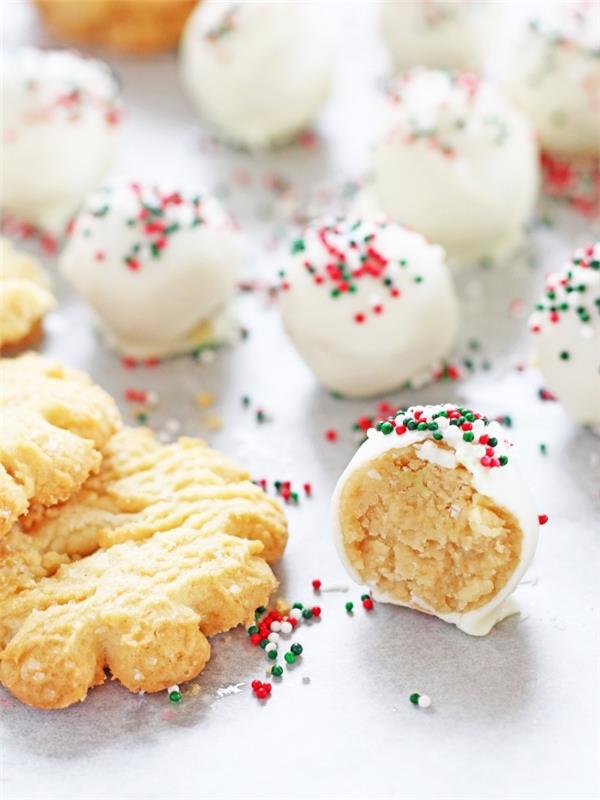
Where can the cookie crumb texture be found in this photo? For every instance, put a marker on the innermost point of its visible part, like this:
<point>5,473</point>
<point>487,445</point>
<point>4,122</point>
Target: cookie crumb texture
<point>143,610</point>
<point>422,535</point>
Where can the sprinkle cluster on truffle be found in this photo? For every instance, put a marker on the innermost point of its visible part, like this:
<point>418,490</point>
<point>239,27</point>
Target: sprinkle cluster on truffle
<point>450,117</point>
<point>155,216</point>
<point>450,424</point>
<point>46,99</point>
<point>572,28</point>
<point>349,253</point>
<point>575,290</point>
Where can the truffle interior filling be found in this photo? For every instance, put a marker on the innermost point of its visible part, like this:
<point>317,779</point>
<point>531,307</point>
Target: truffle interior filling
<point>423,535</point>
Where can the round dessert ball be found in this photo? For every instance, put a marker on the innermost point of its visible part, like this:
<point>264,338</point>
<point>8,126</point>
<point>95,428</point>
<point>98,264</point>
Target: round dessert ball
<point>127,26</point>
<point>157,267</point>
<point>434,513</point>
<point>59,133</point>
<point>444,34</point>
<point>259,72</point>
<point>369,305</point>
<point>566,324</point>
<point>554,76</point>
<point>456,162</point>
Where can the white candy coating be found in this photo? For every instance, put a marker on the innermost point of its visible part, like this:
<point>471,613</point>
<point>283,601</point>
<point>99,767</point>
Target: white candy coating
<point>394,318</point>
<point>259,71</point>
<point>59,133</point>
<point>453,34</point>
<point>554,76</point>
<point>158,267</point>
<point>567,339</point>
<point>456,162</point>
<point>505,485</point>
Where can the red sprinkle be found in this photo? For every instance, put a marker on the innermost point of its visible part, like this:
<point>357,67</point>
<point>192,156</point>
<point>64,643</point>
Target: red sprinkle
<point>331,435</point>
<point>543,519</point>
<point>316,584</point>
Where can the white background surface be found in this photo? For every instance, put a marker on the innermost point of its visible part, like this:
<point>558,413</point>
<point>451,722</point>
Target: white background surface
<point>514,715</point>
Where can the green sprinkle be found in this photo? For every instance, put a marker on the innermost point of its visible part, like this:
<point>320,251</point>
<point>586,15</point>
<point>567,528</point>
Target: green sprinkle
<point>296,649</point>
<point>290,658</point>
<point>276,671</point>
<point>414,699</point>
<point>272,654</point>
<point>349,606</point>
<point>175,697</point>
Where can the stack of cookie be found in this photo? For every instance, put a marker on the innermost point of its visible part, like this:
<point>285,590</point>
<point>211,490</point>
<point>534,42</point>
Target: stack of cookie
<point>116,552</point>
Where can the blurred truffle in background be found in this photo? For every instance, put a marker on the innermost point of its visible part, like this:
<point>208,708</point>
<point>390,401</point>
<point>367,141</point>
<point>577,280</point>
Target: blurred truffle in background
<point>259,72</point>
<point>137,27</point>
<point>443,34</point>
<point>554,76</point>
<point>60,132</point>
<point>456,162</point>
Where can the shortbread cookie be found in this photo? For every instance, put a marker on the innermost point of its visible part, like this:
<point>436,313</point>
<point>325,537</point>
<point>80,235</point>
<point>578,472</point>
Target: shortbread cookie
<point>25,297</point>
<point>143,487</point>
<point>53,421</point>
<point>142,609</point>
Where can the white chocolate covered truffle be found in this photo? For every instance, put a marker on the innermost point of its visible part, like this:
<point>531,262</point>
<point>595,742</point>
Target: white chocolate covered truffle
<point>554,76</point>
<point>158,267</point>
<point>369,305</point>
<point>456,162</point>
<point>259,72</point>
<point>566,324</point>
<point>444,34</point>
<point>433,513</point>
<point>59,133</point>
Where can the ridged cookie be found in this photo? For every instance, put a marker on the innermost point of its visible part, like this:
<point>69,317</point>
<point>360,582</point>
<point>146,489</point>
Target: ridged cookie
<point>144,486</point>
<point>142,609</point>
<point>25,297</point>
<point>53,421</point>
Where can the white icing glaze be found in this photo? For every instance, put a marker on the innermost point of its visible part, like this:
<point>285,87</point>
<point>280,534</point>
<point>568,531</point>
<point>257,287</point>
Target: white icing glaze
<point>554,76</point>
<point>575,377</point>
<point>260,71</point>
<point>455,34</point>
<point>456,162</point>
<point>154,279</point>
<point>504,485</point>
<point>59,133</point>
<point>398,337</point>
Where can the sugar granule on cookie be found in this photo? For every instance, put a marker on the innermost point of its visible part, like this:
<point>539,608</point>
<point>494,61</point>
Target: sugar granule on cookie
<point>144,486</point>
<point>141,609</point>
<point>25,298</point>
<point>53,422</point>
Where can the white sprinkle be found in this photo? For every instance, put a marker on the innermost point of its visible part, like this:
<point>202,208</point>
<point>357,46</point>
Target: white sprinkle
<point>172,425</point>
<point>273,637</point>
<point>276,626</point>
<point>173,688</point>
<point>286,627</point>
<point>270,647</point>
<point>305,679</point>
<point>424,701</point>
